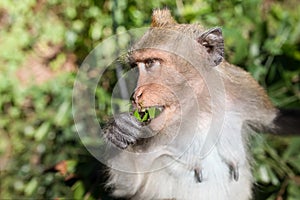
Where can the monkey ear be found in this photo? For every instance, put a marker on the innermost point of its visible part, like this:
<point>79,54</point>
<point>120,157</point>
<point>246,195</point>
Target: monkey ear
<point>213,41</point>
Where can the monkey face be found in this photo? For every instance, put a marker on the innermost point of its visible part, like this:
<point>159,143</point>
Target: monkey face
<point>162,85</point>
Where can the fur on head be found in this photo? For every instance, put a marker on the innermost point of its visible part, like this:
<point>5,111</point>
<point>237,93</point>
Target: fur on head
<point>162,17</point>
<point>211,39</point>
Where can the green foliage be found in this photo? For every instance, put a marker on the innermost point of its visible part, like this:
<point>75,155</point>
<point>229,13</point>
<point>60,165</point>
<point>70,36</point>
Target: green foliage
<point>41,156</point>
<point>138,116</point>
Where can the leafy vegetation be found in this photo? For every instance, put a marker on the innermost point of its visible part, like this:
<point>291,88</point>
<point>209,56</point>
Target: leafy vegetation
<point>43,43</point>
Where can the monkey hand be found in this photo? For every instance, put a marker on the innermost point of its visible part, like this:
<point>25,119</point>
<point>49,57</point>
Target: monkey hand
<point>125,130</point>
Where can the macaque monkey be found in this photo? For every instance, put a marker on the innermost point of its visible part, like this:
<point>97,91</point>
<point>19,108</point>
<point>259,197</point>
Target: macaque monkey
<point>197,147</point>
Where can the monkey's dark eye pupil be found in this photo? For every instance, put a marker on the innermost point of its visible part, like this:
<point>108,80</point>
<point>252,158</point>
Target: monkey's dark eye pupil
<point>150,62</point>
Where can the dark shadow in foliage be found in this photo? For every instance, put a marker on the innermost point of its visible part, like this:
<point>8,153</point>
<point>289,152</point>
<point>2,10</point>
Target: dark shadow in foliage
<point>93,175</point>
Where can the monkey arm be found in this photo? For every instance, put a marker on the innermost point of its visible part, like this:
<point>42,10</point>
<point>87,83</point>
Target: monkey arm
<point>255,105</point>
<point>124,130</point>
<point>286,122</point>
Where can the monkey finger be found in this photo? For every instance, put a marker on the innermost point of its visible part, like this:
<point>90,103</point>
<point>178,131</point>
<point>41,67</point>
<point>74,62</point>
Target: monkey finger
<point>116,141</point>
<point>117,136</point>
<point>130,125</point>
<point>127,122</point>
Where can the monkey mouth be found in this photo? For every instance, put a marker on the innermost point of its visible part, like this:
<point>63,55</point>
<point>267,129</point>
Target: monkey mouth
<point>154,116</point>
<point>151,112</point>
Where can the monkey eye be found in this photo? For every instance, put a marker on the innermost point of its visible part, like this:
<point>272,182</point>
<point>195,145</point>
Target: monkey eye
<point>151,62</point>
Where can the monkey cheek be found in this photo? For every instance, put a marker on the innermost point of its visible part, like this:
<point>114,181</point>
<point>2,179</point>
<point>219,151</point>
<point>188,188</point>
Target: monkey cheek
<point>163,120</point>
<point>158,123</point>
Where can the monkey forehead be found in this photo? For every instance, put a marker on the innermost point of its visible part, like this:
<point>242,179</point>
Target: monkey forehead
<point>170,36</point>
<point>176,41</point>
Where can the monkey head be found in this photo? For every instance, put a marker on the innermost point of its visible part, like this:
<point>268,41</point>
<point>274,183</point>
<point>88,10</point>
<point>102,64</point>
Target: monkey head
<point>170,78</point>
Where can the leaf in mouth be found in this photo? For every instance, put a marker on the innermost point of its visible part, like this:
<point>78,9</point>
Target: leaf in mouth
<point>141,116</point>
<point>147,114</point>
<point>154,112</point>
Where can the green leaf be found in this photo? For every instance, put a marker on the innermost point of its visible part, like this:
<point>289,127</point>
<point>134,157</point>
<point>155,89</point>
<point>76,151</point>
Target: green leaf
<point>31,187</point>
<point>136,114</point>
<point>151,112</point>
<point>78,189</point>
<point>146,116</point>
<point>62,113</point>
<point>42,131</point>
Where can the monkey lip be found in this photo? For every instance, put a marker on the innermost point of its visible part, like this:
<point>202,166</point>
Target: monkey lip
<point>160,108</point>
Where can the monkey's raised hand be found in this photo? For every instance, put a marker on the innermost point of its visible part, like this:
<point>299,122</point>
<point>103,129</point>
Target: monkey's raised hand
<point>125,130</point>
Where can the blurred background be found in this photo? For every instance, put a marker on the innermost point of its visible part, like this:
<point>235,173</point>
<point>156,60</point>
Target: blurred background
<point>43,43</point>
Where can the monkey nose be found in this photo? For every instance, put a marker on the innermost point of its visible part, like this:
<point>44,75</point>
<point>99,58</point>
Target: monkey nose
<point>136,97</point>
